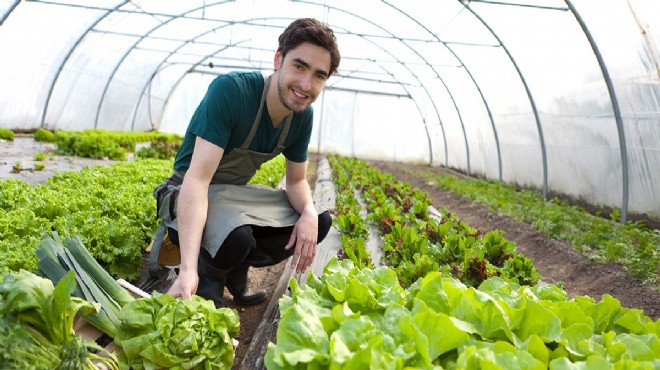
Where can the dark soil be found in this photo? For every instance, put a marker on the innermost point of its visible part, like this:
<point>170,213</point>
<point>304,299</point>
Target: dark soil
<point>556,260</point>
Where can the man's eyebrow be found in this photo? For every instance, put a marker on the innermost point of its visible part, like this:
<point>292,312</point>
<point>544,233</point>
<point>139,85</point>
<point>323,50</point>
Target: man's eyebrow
<point>319,71</point>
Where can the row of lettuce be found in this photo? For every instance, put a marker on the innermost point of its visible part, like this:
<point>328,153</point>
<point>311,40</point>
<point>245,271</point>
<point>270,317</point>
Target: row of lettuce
<point>632,244</point>
<point>107,214</point>
<point>446,297</point>
<point>111,208</point>
<point>106,144</point>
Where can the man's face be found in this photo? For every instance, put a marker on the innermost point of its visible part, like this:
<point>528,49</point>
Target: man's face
<point>301,75</point>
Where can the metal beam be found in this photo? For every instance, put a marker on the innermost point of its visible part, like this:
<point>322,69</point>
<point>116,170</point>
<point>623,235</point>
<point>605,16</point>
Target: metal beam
<point>615,107</point>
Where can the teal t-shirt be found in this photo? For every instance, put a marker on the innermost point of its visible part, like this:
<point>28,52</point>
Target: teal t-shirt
<point>225,116</point>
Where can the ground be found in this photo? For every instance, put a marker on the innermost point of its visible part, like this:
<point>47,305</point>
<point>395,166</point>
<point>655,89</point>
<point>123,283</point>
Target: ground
<point>556,261</point>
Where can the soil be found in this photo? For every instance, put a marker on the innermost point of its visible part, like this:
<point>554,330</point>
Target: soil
<point>556,260</point>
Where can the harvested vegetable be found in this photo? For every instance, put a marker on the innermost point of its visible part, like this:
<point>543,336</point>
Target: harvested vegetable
<point>94,283</point>
<point>162,332</point>
<point>39,318</point>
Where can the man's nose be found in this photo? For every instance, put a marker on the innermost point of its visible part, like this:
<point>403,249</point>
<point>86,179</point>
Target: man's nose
<point>306,81</point>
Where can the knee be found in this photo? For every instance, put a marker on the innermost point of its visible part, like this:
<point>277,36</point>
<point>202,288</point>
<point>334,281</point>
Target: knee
<point>325,222</point>
<point>237,245</point>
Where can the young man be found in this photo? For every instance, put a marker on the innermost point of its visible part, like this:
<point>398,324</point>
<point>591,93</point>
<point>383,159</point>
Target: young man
<point>221,225</point>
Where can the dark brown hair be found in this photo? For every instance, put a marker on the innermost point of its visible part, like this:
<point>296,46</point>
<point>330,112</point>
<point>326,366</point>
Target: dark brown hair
<point>312,31</point>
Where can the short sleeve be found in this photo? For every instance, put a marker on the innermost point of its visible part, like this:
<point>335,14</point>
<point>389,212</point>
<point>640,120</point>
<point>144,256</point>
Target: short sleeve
<point>214,119</point>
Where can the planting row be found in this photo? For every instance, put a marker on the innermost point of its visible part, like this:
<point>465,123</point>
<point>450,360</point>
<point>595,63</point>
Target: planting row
<point>430,306</point>
<point>632,244</point>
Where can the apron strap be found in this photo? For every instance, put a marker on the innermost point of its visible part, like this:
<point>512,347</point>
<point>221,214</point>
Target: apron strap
<point>257,120</point>
<point>285,131</point>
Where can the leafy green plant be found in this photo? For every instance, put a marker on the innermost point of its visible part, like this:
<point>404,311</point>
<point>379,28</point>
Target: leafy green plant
<point>162,332</point>
<point>113,144</point>
<point>43,135</point>
<point>413,243</point>
<point>39,156</point>
<point>270,173</point>
<point>361,318</point>
<point>16,167</point>
<point>46,314</point>
<point>633,244</point>
<point>110,207</point>
<point>39,166</point>
<point>6,134</point>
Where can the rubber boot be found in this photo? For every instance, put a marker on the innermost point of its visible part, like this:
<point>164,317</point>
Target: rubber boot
<point>211,282</point>
<point>237,283</point>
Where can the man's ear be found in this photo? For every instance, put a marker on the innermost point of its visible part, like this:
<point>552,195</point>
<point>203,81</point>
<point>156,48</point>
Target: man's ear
<point>278,60</point>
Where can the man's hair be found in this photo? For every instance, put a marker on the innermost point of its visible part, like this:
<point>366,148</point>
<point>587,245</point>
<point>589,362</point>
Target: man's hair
<point>312,31</point>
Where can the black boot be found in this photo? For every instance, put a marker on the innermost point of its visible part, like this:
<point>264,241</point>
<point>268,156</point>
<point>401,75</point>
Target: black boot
<point>211,282</point>
<point>237,283</point>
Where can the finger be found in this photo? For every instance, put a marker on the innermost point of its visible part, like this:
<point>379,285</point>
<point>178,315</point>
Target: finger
<point>312,254</point>
<point>302,262</point>
<point>305,259</point>
<point>292,240</point>
<point>174,291</point>
<point>296,257</point>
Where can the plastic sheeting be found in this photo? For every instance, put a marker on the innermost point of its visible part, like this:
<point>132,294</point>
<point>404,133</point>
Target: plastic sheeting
<point>558,95</point>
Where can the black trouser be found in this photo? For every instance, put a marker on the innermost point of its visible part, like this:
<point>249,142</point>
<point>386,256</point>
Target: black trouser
<point>257,246</point>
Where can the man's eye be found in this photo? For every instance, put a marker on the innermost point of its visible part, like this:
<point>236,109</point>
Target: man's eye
<point>299,67</point>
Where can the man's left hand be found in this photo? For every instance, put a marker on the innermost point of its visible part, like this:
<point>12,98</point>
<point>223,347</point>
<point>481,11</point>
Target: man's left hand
<point>304,236</point>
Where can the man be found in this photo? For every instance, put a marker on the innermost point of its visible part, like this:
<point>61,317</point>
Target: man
<point>221,225</point>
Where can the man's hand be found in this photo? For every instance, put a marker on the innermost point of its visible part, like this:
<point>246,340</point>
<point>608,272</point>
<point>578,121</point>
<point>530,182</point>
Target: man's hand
<point>185,285</point>
<point>303,236</point>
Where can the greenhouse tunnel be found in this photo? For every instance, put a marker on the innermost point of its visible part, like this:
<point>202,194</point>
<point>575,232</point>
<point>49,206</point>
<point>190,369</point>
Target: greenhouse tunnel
<point>558,95</point>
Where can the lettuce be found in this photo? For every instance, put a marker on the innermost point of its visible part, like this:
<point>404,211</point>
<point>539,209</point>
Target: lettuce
<point>165,332</point>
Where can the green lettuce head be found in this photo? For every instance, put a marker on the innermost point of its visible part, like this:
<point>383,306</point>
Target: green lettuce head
<point>165,332</point>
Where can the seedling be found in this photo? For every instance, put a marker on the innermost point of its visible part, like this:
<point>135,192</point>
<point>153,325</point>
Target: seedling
<point>16,168</point>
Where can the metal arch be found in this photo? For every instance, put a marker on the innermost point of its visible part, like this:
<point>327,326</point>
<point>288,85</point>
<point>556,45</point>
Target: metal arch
<point>421,85</point>
<point>529,96</point>
<point>426,128</point>
<point>128,52</point>
<point>615,107</point>
<point>378,64</point>
<point>158,69</point>
<point>476,85</point>
<point>11,8</point>
<point>66,59</point>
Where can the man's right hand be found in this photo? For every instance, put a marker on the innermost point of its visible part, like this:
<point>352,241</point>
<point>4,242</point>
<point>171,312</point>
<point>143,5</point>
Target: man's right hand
<point>185,285</point>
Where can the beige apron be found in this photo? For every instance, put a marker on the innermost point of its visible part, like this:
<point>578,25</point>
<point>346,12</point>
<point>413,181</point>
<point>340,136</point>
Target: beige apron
<point>232,203</point>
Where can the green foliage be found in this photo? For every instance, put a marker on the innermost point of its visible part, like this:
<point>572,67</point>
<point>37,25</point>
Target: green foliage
<point>361,318</point>
<point>114,145</point>
<point>413,242</point>
<point>39,166</point>
<point>39,156</point>
<point>271,172</point>
<point>17,167</point>
<point>40,317</point>
<point>110,207</point>
<point>162,332</point>
<point>43,135</point>
<point>633,244</point>
<point>6,134</point>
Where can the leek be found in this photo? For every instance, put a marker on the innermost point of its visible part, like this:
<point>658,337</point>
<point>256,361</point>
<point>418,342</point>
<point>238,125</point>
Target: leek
<point>94,283</point>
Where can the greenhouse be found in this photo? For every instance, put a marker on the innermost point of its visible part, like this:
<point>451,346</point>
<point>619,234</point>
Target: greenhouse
<point>486,176</point>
